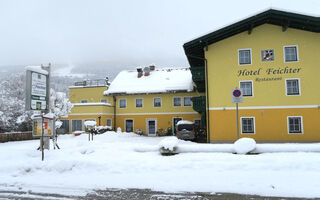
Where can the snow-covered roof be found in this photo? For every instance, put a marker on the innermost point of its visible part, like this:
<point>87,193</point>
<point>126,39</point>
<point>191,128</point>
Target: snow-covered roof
<point>159,81</point>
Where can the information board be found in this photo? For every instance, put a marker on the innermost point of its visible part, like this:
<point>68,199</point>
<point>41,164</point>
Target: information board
<point>48,127</point>
<point>37,90</point>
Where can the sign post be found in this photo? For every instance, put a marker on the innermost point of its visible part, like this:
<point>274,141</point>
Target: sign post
<point>37,99</point>
<point>237,97</point>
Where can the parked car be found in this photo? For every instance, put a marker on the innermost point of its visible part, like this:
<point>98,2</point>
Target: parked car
<point>185,130</point>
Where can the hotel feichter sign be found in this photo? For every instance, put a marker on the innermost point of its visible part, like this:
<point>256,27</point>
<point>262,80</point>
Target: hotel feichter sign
<point>270,71</point>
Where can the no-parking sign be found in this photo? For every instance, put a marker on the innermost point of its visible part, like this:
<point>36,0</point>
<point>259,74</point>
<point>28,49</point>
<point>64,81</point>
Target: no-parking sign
<point>236,95</point>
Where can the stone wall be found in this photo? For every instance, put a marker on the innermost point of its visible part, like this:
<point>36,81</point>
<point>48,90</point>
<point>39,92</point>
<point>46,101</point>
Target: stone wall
<point>6,137</point>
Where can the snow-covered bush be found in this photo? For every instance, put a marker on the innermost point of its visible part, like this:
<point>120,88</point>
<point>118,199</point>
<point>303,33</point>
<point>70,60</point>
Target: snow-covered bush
<point>244,145</point>
<point>169,145</point>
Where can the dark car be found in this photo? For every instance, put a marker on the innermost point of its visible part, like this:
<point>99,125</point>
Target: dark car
<point>185,130</point>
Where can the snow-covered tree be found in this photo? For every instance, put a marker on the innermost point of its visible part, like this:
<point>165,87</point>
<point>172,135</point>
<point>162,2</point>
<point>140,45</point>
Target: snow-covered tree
<point>59,104</point>
<point>13,116</point>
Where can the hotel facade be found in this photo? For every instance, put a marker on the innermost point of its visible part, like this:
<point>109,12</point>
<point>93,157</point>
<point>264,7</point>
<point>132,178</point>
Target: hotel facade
<point>274,58</point>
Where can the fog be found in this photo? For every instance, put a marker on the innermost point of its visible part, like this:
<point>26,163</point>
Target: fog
<point>103,36</point>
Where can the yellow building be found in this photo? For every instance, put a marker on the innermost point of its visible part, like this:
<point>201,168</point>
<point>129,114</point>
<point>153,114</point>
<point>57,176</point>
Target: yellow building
<point>274,58</point>
<point>89,103</point>
<point>150,101</point>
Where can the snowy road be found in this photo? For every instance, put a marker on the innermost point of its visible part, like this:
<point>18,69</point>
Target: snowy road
<point>132,194</point>
<point>111,161</point>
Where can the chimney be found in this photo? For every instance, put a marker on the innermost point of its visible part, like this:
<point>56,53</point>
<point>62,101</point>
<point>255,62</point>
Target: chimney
<point>140,72</point>
<point>146,71</point>
<point>152,67</point>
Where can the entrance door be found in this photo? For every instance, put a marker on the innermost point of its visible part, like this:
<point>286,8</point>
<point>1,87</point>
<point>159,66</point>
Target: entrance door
<point>175,121</point>
<point>129,125</point>
<point>151,127</point>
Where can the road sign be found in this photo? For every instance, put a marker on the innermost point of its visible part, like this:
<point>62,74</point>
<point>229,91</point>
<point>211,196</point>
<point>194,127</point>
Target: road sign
<point>37,89</point>
<point>236,95</point>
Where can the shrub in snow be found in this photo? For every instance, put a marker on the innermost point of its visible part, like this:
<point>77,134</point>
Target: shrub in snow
<point>169,146</point>
<point>244,145</point>
<point>119,130</point>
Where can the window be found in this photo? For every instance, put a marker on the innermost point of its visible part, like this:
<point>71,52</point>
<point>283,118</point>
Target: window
<point>109,122</point>
<point>295,124</point>
<point>187,101</point>
<point>139,103</point>
<point>122,103</point>
<point>157,102</point>
<point>244,56</point>
<point>247,125</point>
<point>267,55</point>
<point>247,88</point>
<point>64,127</point>
<point>290,54</point>
<point>76,125</point>
<point>177,101</point>
<point>84,101</point>
<point>292,86</point>
<point>104,100</point>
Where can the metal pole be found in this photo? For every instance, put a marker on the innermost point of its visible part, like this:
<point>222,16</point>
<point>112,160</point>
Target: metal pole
<point>41,143</point>
<point>237,122</point>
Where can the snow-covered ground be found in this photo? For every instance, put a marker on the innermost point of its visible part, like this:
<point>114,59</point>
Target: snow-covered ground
<point>113,160</point>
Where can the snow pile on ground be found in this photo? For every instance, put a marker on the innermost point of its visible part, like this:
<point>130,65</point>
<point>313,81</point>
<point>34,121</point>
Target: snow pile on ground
<point>110,161</point>
<point>169,143</point>
<point>244,145</point>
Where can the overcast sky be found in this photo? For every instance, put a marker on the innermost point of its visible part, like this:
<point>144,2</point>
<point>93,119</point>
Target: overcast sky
<point>119,33</point>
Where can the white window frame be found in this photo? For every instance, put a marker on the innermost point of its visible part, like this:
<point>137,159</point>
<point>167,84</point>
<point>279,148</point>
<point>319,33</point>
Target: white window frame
<point>173,101</point>
<point>160,102</point>
<point>239,56</point>
<point>103,100</point>
<point>120,103</point>
<point>125,127</point>
<point>81,101</point>
<point>288,125</point>
<point>284,53</point>
<point>147,126</point>
<point>251,87</point>
<point>254,126</point>
<point>107,121</point>
<point>286,87</point>
<point>190,101</point>
<point>135,102</point>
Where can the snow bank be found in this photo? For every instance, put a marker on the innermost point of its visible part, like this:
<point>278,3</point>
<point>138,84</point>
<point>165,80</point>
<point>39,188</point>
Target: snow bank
<point>244,145</point>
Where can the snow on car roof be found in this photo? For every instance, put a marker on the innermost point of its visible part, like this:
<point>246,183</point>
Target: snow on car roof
<point>159,81</point>
<point>184,122</point>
